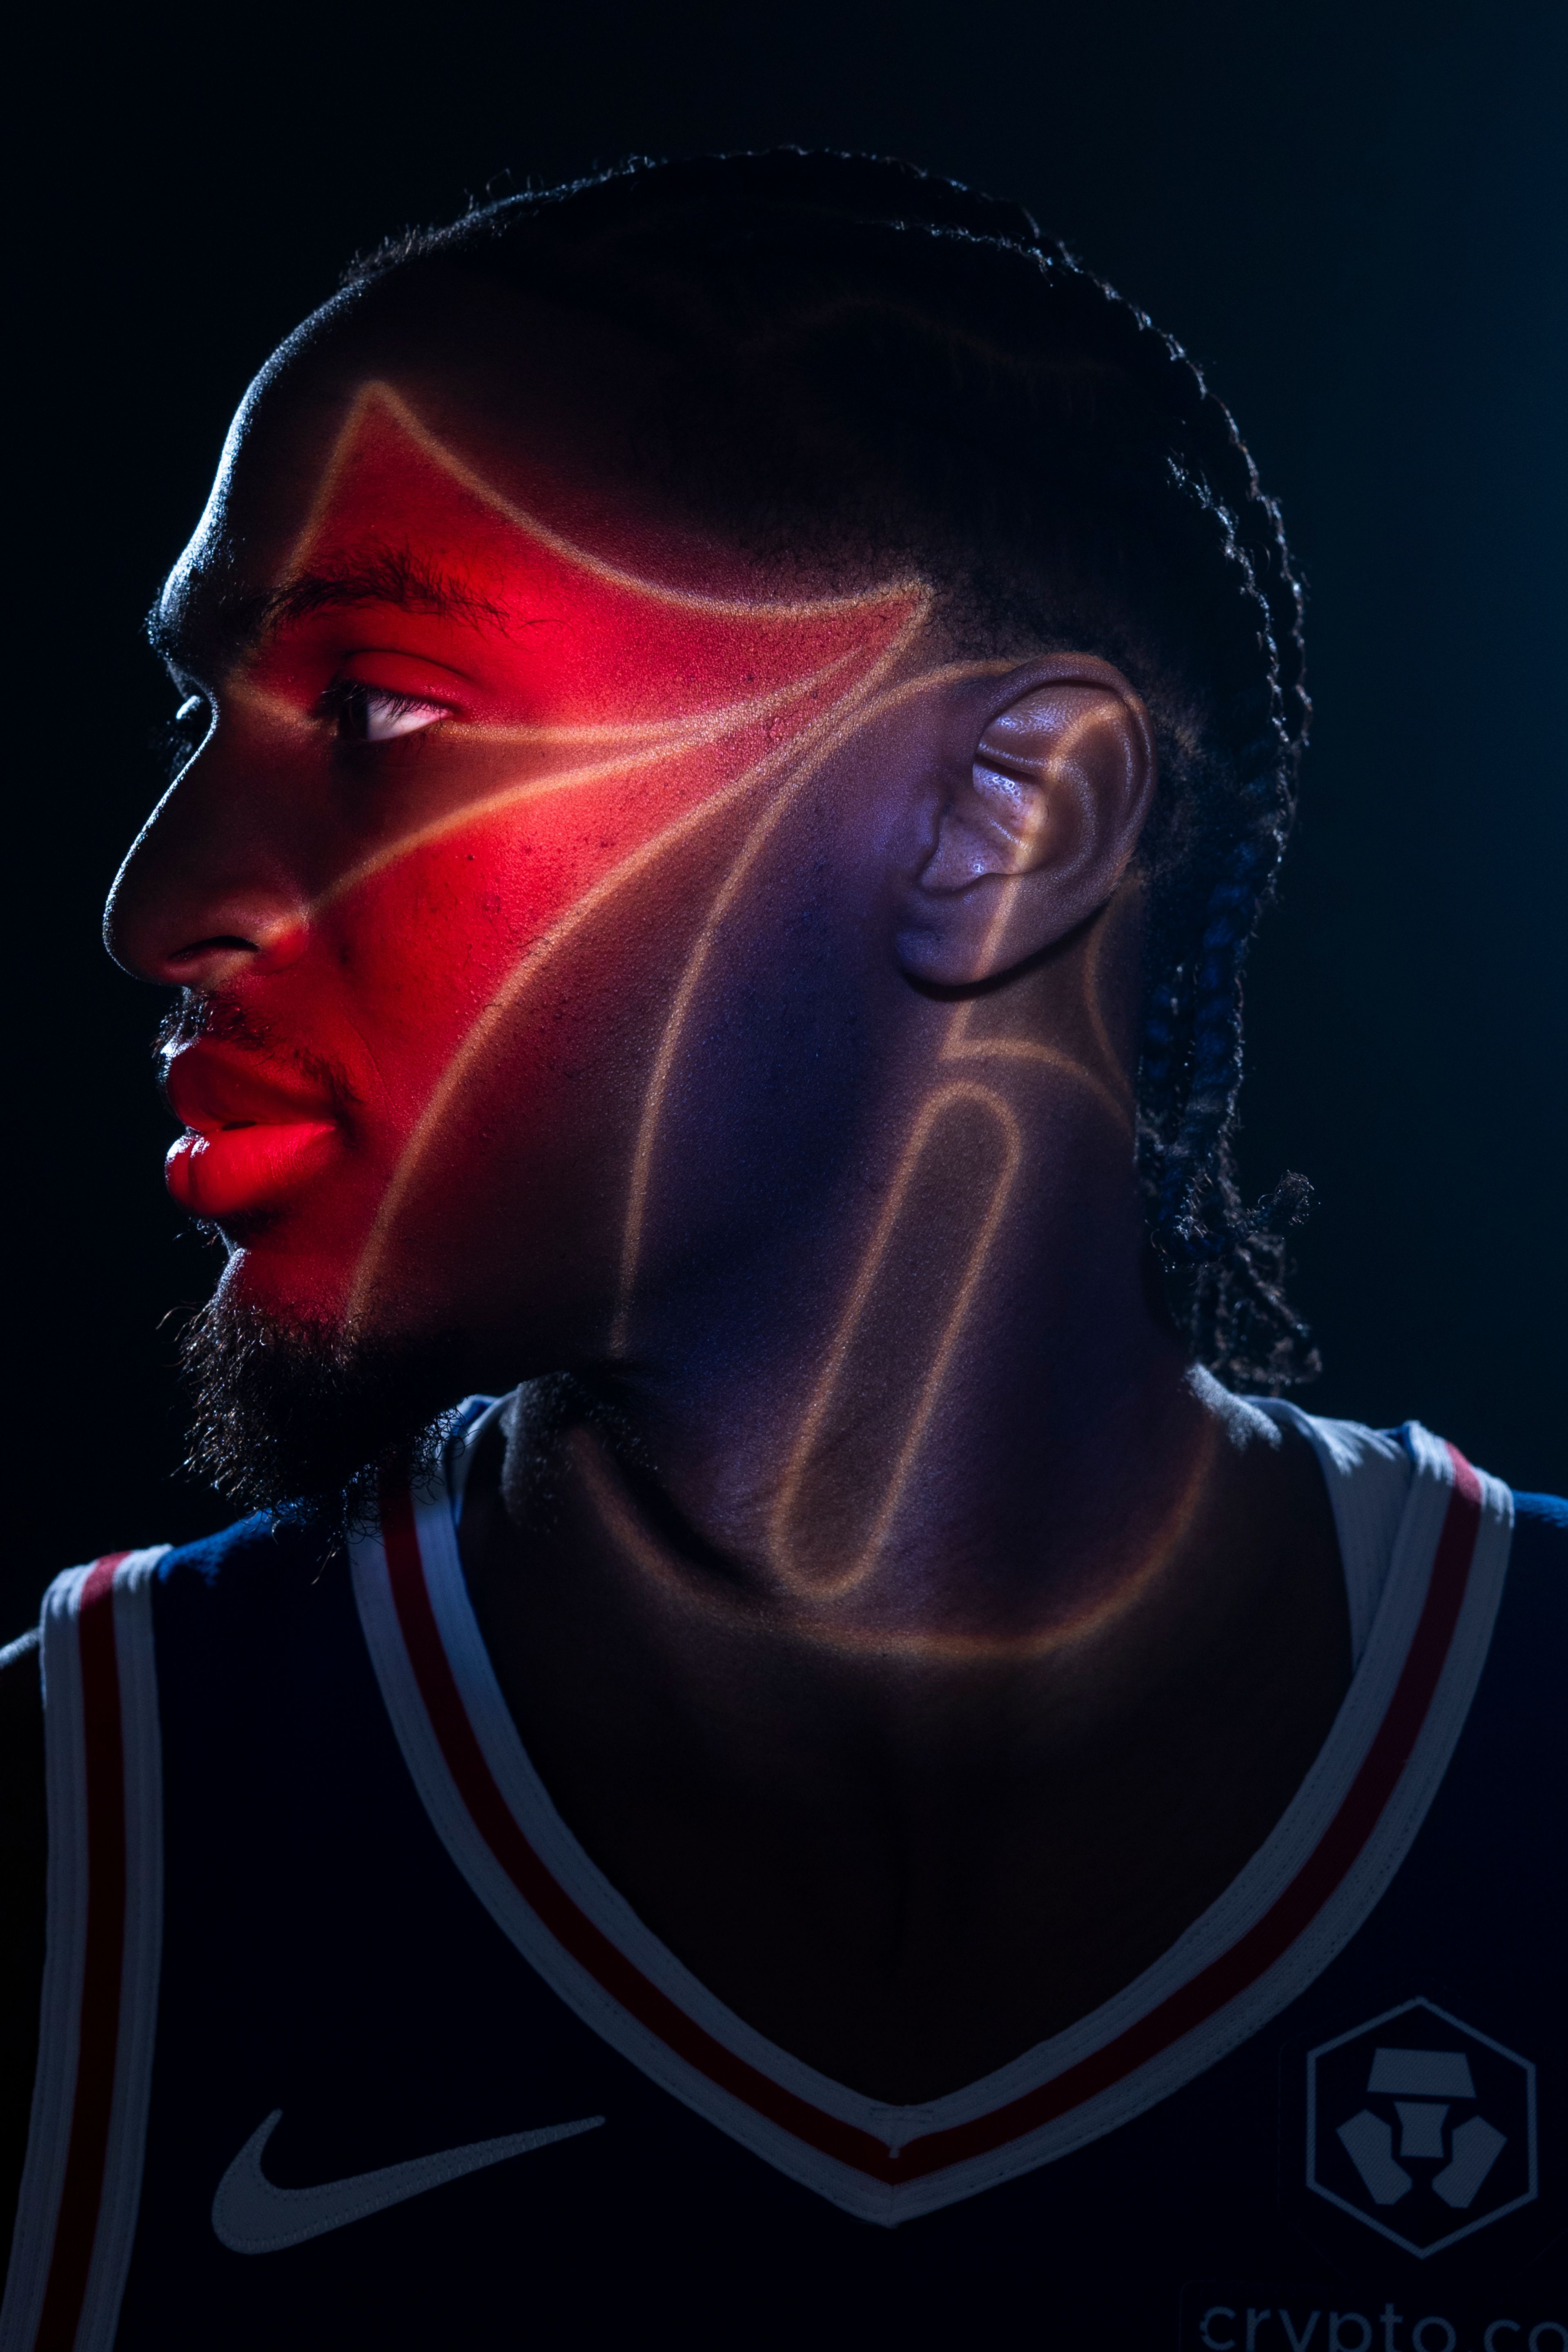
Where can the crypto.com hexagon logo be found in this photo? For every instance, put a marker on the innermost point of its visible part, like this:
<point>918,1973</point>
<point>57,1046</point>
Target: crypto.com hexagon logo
<point>1420,2126</point>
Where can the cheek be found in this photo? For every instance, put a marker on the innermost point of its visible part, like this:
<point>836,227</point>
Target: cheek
<point>478,1097</point>
<point>428,946</point>
<point>435,936</point>
<point>494,1163</point>
<point>489,981</point>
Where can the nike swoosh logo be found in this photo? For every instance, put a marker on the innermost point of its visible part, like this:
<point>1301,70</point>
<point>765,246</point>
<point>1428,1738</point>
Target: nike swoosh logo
<point>253,2216</point>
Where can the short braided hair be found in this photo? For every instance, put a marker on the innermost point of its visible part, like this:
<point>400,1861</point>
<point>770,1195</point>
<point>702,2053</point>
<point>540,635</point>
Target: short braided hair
<point>863,360</point>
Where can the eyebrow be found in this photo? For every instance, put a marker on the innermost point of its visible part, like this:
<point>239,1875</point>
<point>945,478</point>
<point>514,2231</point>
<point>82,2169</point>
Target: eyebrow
<point>225,625</point>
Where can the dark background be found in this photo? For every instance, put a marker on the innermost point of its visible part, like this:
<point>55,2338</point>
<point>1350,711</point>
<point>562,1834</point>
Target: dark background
<point>1350,215</point>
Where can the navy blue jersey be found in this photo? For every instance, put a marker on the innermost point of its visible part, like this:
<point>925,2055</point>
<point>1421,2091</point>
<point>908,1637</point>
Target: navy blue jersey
<point>346,2041</point>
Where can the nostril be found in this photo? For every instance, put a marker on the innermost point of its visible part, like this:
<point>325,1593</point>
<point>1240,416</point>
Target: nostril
<point>270,939</point>
<point>184,930</point>
<point>220,943</point>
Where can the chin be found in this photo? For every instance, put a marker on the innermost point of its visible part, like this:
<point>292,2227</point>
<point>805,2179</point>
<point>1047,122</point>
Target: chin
<point>293,1407</point>
<point>299,1289</point>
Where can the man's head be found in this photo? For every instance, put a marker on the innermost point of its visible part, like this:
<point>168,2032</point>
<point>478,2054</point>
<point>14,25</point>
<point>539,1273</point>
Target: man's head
<point>658,633</point>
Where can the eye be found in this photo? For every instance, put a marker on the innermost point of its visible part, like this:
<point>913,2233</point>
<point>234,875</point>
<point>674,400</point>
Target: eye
<point>370,714</point>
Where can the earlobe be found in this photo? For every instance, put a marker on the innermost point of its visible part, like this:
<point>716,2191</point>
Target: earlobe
<point>1036,834</point>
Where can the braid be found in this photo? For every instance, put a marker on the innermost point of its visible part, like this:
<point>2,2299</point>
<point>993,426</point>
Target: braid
<point>906,367</point>
<point>1191,1067</point>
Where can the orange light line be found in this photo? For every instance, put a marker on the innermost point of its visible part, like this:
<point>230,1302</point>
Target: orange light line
<point>639,1545</point>
<point>482,1032</point>
<point>378,393</point>
<point>956,1046</point>
<point>851,714</point>
<point>849,717</point>
<point>931,1111</point>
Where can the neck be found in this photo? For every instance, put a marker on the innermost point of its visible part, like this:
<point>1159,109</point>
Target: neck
<point>916,1642</point>
<point>951,1406</point>
<point>909,1806</point>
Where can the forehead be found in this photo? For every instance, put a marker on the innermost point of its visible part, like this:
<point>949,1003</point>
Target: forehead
<point>425,435</point>
<point>460,498</point>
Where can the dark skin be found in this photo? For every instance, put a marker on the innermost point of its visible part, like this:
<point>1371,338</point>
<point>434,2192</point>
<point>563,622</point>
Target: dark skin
<point>905,1874</point>
<point>904,1869</point>
<point>917,1702</point>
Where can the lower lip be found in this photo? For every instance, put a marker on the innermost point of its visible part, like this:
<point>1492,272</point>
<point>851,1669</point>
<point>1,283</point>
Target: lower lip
<point>237,1170</point>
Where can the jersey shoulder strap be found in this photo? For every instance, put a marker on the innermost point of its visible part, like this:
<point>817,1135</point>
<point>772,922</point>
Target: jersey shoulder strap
<point>111,1632</point>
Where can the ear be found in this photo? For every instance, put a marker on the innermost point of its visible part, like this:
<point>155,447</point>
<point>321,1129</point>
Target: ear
<point>1034,823</point>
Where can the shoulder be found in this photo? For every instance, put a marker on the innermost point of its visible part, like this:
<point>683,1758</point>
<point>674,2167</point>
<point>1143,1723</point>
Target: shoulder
<point>236,1577</point>
<point>246,1585</point>
<point>1516,1730</point>
<point>265,1556</point>
<point>21,1756</point>
<point>1541,1521</point>
<point>249,1625</point>
<point>232,1586</point>
<point>1537,1589</point>
<point>21,1697</point>
<point>21,1762</point>
<point>212,1603</point>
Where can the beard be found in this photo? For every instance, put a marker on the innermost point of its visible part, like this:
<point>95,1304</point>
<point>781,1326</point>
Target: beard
<point>306,1420</point>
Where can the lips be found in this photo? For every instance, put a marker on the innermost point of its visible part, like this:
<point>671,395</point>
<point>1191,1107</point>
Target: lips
<point>252,1134</point>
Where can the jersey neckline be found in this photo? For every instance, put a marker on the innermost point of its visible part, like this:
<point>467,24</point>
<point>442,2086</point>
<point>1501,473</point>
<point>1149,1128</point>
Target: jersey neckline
<point>1282,1920</point>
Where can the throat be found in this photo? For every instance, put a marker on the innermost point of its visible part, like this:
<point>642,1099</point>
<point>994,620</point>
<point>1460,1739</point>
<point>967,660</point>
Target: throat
<point>908,1864</point>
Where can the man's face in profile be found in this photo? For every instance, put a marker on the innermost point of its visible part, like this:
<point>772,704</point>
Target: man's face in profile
<point>505,806</point>
<point>577,917</point>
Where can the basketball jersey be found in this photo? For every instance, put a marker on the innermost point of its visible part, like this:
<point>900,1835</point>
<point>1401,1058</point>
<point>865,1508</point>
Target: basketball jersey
<point>347,2041</point>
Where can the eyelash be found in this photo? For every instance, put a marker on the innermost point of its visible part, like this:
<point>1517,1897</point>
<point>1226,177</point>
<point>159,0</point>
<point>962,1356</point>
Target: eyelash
<point>182,737</point>
<point>340,699</point>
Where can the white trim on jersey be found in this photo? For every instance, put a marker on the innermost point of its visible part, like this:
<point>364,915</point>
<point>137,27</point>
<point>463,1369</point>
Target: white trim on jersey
<point>54,2081</point>
<point>104,1921</point>
<point>1368,1473</point>
<point>1282,1919</point>
<point>142,1755</point>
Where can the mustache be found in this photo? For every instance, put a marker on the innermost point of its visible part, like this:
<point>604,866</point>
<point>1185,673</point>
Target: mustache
<point>211,1015</point>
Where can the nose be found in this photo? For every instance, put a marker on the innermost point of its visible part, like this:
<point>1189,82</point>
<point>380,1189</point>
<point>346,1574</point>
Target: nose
<point>204,896</point>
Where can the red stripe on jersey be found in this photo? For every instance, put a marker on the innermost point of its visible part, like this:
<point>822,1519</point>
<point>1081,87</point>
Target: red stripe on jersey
<point>99,2031</point>
<point>1292,1913</point>
<point>570,1927</point>
<point>1256,1951</point>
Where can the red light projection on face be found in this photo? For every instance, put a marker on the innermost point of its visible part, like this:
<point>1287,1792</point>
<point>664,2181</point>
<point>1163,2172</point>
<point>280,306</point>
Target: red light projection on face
<point>568,767</point>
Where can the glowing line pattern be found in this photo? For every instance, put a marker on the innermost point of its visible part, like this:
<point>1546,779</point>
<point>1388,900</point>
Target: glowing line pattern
<point>958,1044</point>
<point>839,658</point>
<point>659,643</point>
